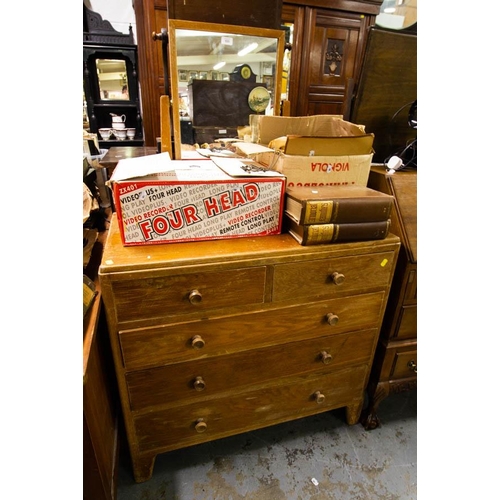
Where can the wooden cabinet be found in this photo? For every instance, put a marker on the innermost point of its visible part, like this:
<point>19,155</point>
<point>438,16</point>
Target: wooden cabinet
<point>323,31</point>
<point>329,41</point>
<point>110,79</point>
<point>216,338</point>
<point>395,364</point>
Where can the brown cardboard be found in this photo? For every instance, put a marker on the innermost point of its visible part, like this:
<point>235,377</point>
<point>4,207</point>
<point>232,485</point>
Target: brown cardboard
<point>349,146</point>
<point>272,127</point>
<point>319,170</point>
<point>189,200</point>
<point>329,146</point>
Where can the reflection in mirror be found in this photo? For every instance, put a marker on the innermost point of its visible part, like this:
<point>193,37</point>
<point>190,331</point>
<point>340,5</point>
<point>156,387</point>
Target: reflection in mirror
<point>112,76</point>
<point>397,14</point>
<point>220,75</point>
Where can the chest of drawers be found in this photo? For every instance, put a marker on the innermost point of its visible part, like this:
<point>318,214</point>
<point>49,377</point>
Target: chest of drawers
<point>395,363</point>
<point>216,338</point>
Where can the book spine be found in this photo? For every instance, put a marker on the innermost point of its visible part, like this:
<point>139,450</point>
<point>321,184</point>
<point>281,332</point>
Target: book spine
<point>346,211</point>
<point>315,234</point>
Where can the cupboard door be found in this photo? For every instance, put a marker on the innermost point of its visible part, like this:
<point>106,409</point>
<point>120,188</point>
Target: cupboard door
<point>334,52</point>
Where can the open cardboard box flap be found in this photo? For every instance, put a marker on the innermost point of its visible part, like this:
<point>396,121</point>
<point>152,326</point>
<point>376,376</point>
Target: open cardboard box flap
<point>272,127</point>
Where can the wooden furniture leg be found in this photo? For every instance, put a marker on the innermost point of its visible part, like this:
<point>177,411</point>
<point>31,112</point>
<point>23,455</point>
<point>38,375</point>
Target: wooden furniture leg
<point>370,419</point>
<point>353,413</point>
<point>143,468</point>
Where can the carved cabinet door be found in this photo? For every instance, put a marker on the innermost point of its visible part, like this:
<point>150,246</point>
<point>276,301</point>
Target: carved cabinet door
<point>332,53</point>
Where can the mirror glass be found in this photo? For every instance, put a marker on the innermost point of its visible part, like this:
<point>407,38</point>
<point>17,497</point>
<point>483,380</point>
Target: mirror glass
<point>220,75</point>
<point>397,14</point>
<point>112,77</point>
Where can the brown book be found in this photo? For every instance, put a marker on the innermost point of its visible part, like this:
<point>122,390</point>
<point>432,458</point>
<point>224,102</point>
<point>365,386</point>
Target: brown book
<point>318,234</point>
<point>337,204</point>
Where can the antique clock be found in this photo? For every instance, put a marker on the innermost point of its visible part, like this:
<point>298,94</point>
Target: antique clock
<point>243,73</point>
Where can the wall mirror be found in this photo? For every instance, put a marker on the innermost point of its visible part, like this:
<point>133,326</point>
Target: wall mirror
<point>112,79</point>
<point>219,75</point>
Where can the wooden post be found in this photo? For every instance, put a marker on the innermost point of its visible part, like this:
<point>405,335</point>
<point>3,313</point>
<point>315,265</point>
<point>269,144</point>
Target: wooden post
<point>166,139</point>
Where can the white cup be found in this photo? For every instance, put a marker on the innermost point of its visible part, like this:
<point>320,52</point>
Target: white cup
<point>131,133</point>
<point>120,134</point>
<point>105,133</point>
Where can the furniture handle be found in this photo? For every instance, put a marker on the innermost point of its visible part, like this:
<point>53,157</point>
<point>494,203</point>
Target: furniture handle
<point>201,425</point>
<point>337,278</point>
<point>412,366</point>
<point>195,297</point>
<point>332,319</point>
<point>199,384</point>
<point>197,342</point>
<point>326,358</point>
<point>319,397</point>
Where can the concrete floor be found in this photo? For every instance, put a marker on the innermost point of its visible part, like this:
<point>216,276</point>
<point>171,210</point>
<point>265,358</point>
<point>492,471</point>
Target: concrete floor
<point>315,458</point>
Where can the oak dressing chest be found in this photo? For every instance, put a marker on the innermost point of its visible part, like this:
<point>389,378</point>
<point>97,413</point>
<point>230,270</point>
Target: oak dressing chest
<point>215,338</point>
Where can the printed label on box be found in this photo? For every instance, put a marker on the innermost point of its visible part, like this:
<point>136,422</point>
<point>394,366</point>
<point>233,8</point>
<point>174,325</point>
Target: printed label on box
<point>158,211</point>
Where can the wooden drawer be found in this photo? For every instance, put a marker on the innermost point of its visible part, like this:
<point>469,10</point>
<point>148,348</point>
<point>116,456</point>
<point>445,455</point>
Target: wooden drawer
<point>396,357</point>
<point>174,428</point>
<point>150,347</point>
<point>407,324</point>
<point>303,280</point>
<point>159,296</point>
<point>405,364</point>
<point>183,383</point>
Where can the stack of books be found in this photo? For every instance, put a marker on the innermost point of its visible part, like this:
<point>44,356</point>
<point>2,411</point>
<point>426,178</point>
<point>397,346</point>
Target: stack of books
<point>331,214</point>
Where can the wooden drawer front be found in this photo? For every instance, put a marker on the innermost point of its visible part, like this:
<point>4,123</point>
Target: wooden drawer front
<point>396,359</point>
<point>407,326</point>
<point>302,280</point>
<point>147,348</point>
<point>205,378</point>
<point>157,297</point>
<point>405,365</point>
<point>411,287</point>
<point>174,428</point>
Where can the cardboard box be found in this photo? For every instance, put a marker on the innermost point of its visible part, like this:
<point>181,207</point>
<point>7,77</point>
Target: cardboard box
<point>159,200</point>
<point>308,138</point>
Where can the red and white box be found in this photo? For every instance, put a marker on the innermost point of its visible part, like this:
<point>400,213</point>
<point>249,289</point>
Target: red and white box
<point>159,200</point>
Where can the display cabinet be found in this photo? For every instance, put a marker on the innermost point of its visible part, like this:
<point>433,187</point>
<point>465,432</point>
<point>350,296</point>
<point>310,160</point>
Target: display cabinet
<point>110,80</point>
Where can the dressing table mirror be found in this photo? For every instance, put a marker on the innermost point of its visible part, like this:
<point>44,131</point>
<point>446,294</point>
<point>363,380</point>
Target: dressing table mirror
<point>220,75</point>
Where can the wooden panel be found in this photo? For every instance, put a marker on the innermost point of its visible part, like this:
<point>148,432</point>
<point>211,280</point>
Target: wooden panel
<point>151,17</point>
<point>407,324</point>
<point>174,384</point>
<point>175,428</point>
<point>257,13</point>
<point>335,41</point>
<point>151,347</point>
<point>387,87</point>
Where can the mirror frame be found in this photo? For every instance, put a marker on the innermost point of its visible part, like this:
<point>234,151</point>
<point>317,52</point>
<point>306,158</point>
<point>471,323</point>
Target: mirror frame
<point>177,24</point>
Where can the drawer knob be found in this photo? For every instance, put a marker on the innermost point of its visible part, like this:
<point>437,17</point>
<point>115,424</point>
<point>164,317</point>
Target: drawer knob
<point>195,297</point>
<point>412,366</point>
<point>201,425</point>
<point>337,278</point>
<point>332,319</point>
<point>319,397</point>
<point>199,383</point>
<point>325,357</point>
<point>197,342</point>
